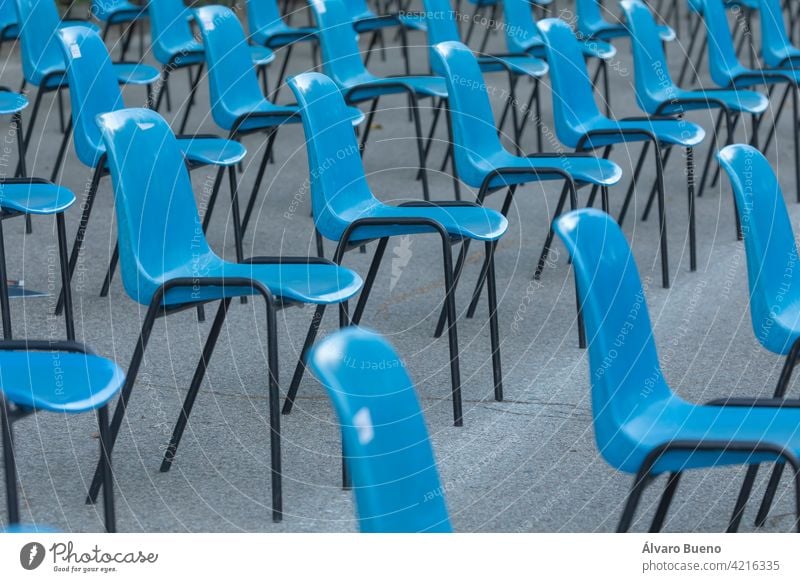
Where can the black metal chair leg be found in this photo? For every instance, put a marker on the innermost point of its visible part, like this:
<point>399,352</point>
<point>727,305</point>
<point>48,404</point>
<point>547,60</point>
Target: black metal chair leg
<point>62,152</point>
<point>66,290</point>
<point>274,414</point>
<point>9,464</point>
<point>112,267</point>
<point>194,387</point>
<point>769,494</point>
<point>29,132</point>
<point>450,303</point>
<point>632,188</point>
<point>420,149</point>
<point>212,201</point>
<point>81,233</point>
<point>5,306</point>
<point>640,483</point>
<point>237,226</point>
<point>742,498</point>
<point>666,500</point>
<point>494,327</point>
<point>279,81</point>
<point>692,217</point>
<point>259,178</point>
<point>710,156</point>
<point>662,219</point>
<point>550,233</point>
<point>299,370</point>
<point>370,281</point>
<point>654,189</point>
<point>107,472</point>
<point>127,388</point>
<point>192,93</point>
<point>368,126</point>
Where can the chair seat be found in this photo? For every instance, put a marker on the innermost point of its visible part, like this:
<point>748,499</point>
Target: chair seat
<point>779,53</point>
<point>597,49</point>
<point>740,101</point>
<point>279,35</point>
<point>261,55</point>
<point>58,381</point>
<point>674,419</point>
<point>84,23</point>
<point>584,169</point>
<point>136,74</point>
<point>367,88</point>
<point>668,131</point>
<point>121,12</point>
<point>607,31</point>
<point>516,64</point>
<point>472,222</point>
<point>9,31</point>
<point>41,198</point>
<point>753,77</point>
<point>212,150</point>
<point>11,102</point>
<point>185,53</point>
<point>316,284</point>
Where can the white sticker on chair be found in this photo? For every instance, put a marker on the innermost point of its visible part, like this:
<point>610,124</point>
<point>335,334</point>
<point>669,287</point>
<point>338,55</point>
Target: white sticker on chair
<point>362,420</point>
<point>75,50</point>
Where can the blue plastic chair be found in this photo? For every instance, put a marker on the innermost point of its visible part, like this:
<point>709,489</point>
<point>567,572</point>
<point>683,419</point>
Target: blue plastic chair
<point>777,50</point>
<point>388,452</point>
<point>55,376</point>
<point>93,90</point>
<point>175,47</point>
<point>443,27</point>
<point>771,252</point>
<point>238,104</point>
<point>728,72</point>
<point>342,62</point>
<point>591,24</point>
<point>43,64</point>
<point>268,29</point>
<point>160,249</point>
<point>126,15</point>
<point>482,161</point>
<point>658,95</point>
<point>523,36</point>
<point>640,425</point>
<point>346,211</point>
<point>579,124</point>
<point>365,20</point>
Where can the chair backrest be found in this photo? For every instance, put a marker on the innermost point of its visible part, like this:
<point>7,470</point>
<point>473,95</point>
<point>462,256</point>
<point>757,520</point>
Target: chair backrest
<point>339,189</point>
<point>440,18</point>
<point>39,45</point>
<point>341,57</point>
<point>357,8</point>
<point>103,9</point>
<point>474,131</point>
<point>653,82</point>
<point>774,38</point>
<point>262,14</point>
<point>158,225</point>
<point>624,370</point>
<point>520,29</point>
<point>573,97</point>
<point>232,77</point>
<point>588,17</point>
<point>395,479</point>
<point>93,89</point>
<point>723,63</point>
<point>768,239</point>
<point>170,29</point>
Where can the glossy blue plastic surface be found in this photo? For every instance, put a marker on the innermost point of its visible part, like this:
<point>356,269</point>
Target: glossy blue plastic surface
<point>41,52</point>
<point>342,61</point>
<point>58,381</point>
<point>117,11</point>
<point>35,198</point>
<point>171,31</point>
<point>160,231</point>
<point>12,102</point>
<point>339,190</point>
<point>725,68</point>
<point>478,148</point>
<point>269,29</point>
<point>633,407</point>
<point>233,82</point>
<point>395,479</point>
<point>769,246</point>
<point>590,23</point>
<point>574,108</point>
<point>94,90</point>
<point>522,33</point>
<point>654,85</point>
<point>777,49</point>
